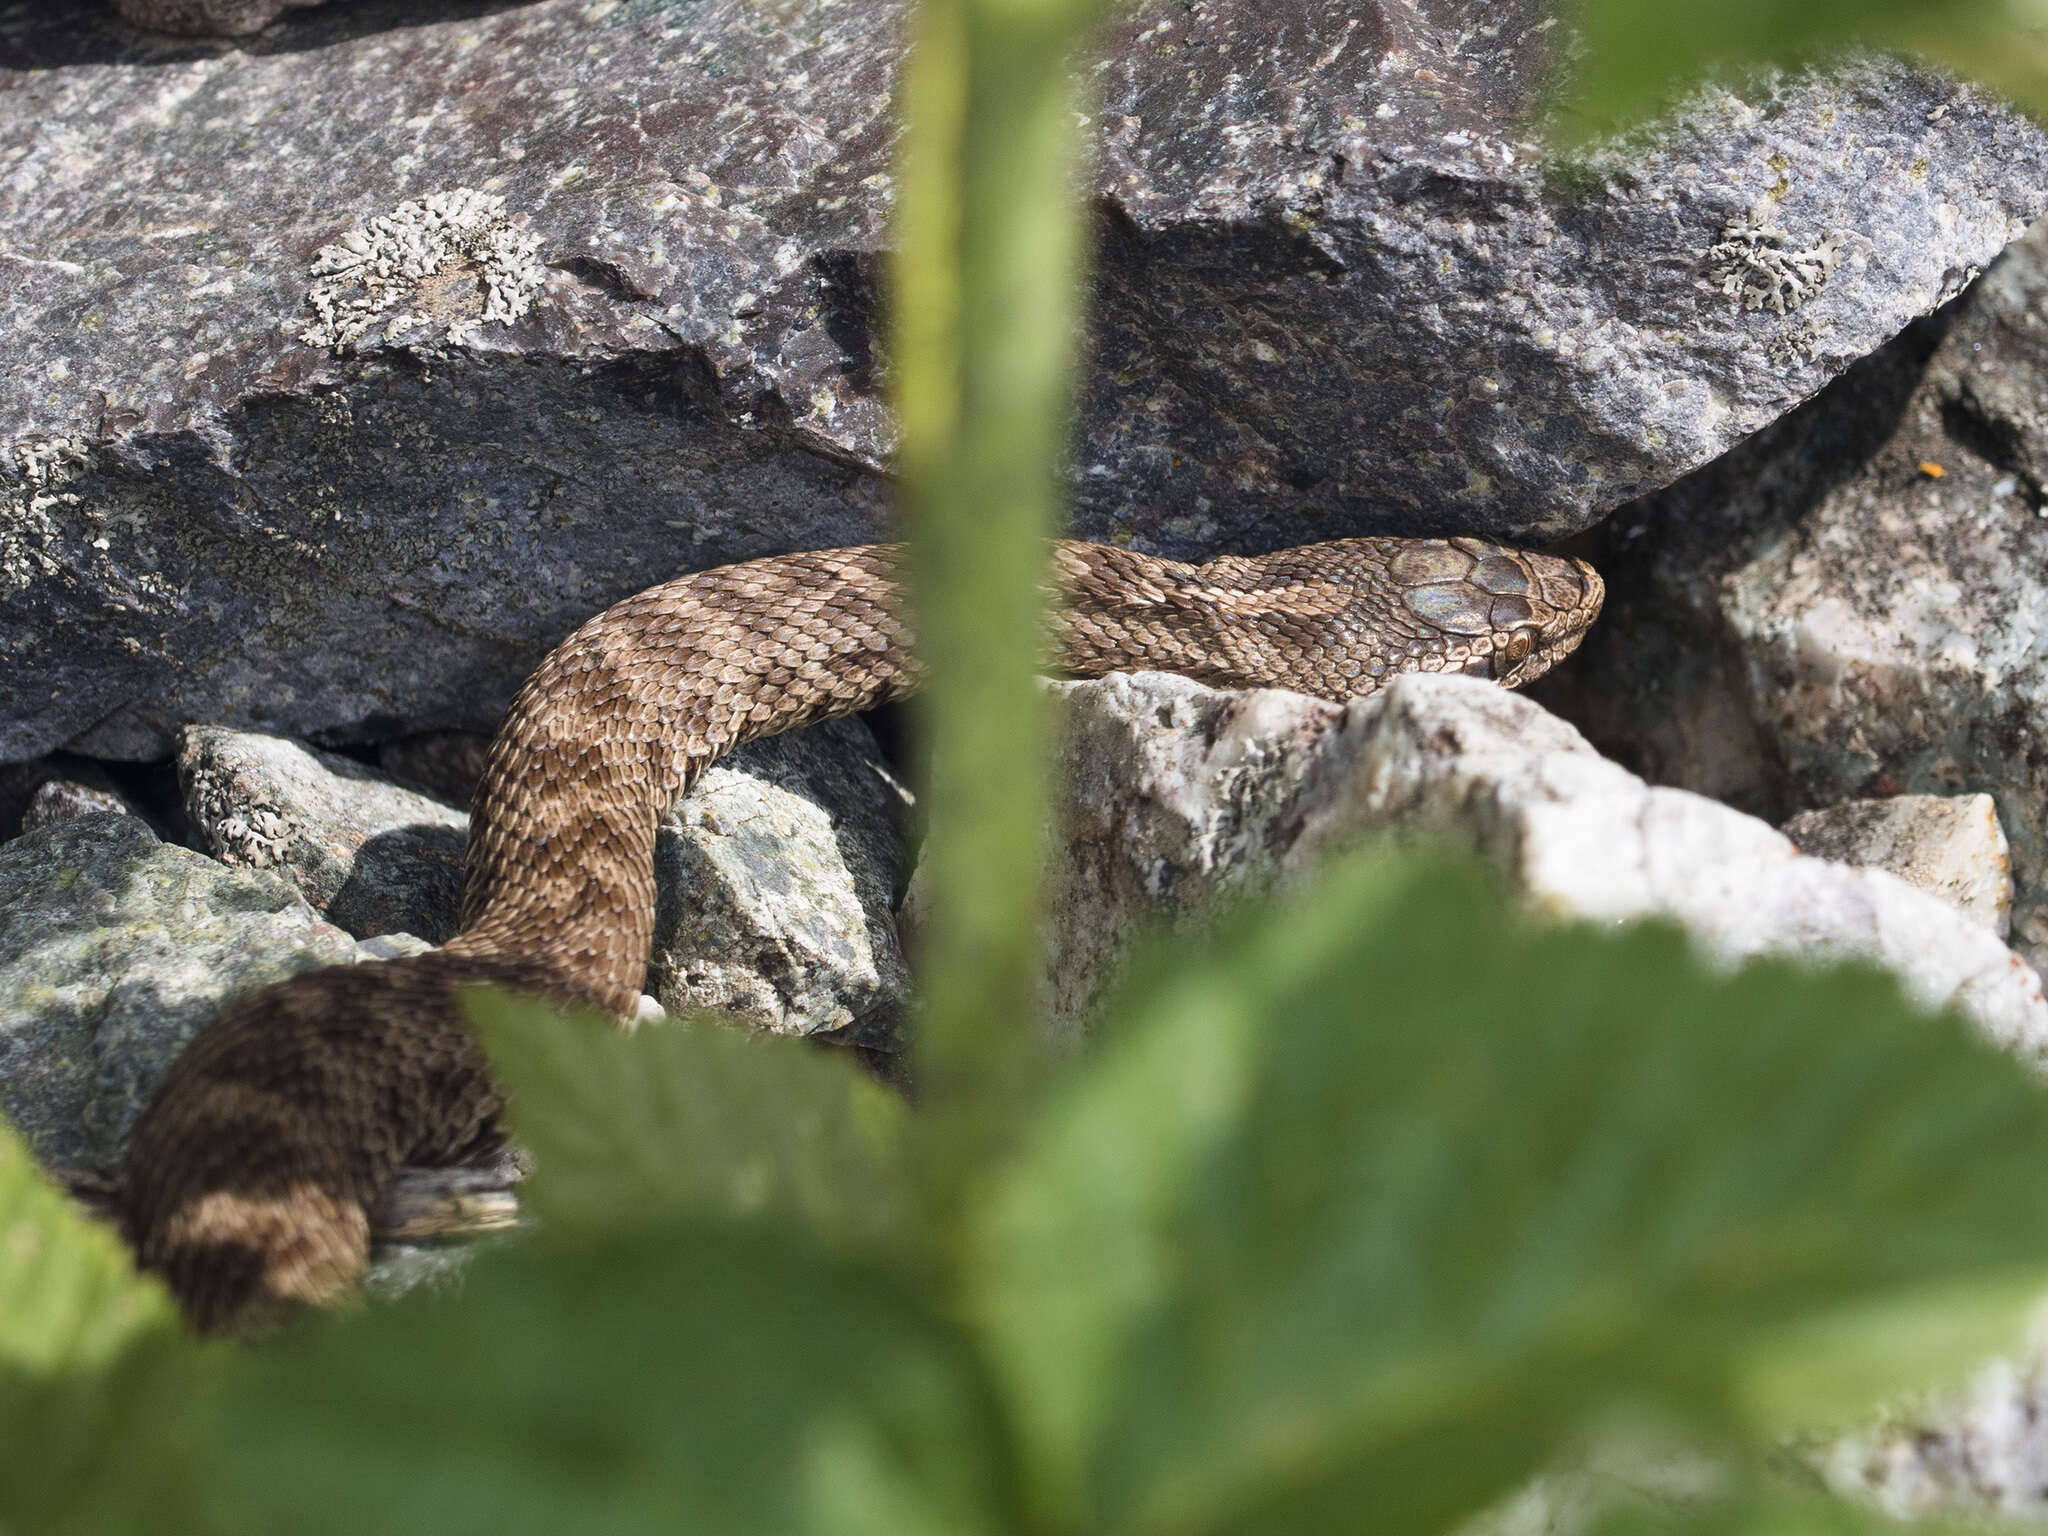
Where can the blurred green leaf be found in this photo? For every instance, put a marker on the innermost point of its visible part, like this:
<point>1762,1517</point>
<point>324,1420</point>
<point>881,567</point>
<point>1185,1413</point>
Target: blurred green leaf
<point>1375,1196</point>
<point>1636,54</point>
<point>700,1378</point>
<point>94,1369</point>
<point>1832,1368</point>
<point>986,310</point>
<point>696,1120</point>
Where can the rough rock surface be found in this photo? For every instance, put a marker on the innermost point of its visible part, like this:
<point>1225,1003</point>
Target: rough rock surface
<point>1851,604</point>
<point>1948,845</point>
<point>60,799</point>
<point>367,855</point>
<point>1175,793</point>
<point>114,950</point>
<point>779,877</point>
<point>651,236</point>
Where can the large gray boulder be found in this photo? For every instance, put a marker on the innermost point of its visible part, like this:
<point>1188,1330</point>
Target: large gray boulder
<point>347,370</point>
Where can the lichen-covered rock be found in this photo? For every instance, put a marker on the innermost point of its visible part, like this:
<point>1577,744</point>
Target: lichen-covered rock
<point>779,876</point>
<point>1948,845</point>
<point>1175,794</point>
<point>115,949</point>
<point>368,855</point>
<point>268,313</point>
<point>1851,605</point>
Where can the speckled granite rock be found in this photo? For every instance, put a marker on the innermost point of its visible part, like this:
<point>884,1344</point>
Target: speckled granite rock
<point>625,317</point>
<point>60,799</point>
<point>114,950</point>
<point>369,856</point>
<point>1950,846</point>
<point>1851,605</point>
<point>1175,793</point>
<point>778,877</point>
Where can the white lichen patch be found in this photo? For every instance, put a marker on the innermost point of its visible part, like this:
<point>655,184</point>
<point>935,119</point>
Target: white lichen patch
<point>1801,345</point>
<point>47,463</point>
<point>33,501</point>
<point>372,271</point>
<point>1755,261</point>
<point>238,832</point>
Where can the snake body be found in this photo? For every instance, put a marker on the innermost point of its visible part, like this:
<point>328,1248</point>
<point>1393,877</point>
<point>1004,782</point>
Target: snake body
<point>251,1174</point>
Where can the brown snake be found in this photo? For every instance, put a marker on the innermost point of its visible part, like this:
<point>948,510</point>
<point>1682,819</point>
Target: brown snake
<point>251,1174</point>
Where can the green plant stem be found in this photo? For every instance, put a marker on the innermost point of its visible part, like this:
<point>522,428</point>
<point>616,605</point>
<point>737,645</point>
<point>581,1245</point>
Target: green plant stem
<point>987,286</point>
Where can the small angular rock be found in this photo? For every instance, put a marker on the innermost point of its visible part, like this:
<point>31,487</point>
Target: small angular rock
<point>371,857</point>
<point>34,794</point>
<point>1950,846</point>
<point>779,875</point>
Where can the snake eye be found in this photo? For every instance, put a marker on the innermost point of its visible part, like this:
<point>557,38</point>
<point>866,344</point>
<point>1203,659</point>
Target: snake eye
<point>1516,651</point>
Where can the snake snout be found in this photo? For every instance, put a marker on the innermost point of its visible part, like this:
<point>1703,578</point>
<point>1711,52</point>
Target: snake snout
<point>1566,596</point>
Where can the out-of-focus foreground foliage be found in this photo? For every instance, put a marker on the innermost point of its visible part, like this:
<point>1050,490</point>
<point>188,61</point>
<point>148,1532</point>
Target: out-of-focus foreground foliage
<point>1363,1209</point>
<point>1636,50</point>
<point>1356,1218</point>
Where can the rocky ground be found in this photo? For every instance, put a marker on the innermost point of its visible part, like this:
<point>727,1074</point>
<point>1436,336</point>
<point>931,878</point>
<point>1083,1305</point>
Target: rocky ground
<point>351,363</point>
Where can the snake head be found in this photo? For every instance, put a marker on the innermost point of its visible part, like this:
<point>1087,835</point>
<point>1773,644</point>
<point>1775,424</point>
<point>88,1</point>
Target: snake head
<point>1492,611</point>
<point>1563,599</point>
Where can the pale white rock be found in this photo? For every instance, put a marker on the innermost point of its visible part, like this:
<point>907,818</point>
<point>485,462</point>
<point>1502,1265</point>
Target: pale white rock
<point>1175,794</point>
<point>1979,1448</point>
<point>1949,845</point>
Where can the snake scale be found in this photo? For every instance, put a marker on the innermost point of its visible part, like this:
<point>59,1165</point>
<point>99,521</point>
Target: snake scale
<point>252,1172</point>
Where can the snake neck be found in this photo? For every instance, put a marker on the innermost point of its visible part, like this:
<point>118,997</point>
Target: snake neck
<point>625,715</point>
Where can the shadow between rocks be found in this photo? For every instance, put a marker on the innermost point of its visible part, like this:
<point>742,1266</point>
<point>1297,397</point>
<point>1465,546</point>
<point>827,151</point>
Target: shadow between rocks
<point>405,880</point>
<point>37,34</point>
